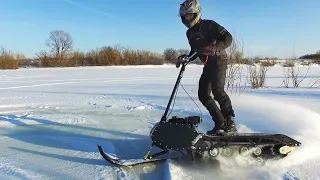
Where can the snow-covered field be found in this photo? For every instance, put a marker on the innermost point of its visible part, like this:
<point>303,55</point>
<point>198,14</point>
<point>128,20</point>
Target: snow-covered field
<point>51,121</point>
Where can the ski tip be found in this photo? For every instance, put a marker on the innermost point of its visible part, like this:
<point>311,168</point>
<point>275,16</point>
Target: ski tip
<point>100,148</point>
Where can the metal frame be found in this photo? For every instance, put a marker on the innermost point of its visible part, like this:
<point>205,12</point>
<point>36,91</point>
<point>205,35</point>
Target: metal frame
<point>184,63</point>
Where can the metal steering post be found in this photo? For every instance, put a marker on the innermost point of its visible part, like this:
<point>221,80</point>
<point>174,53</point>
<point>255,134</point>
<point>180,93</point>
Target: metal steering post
<point>185,61</point>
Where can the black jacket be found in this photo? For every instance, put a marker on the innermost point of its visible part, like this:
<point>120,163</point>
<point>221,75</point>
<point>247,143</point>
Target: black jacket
<point>208,32</point>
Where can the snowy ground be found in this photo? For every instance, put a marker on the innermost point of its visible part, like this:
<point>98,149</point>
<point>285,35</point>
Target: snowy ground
<point>52,119</point>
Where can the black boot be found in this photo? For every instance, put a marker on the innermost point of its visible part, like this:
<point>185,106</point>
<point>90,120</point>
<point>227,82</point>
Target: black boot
<point>230,128</point>
<point>215,131</point>
<point>218,129</point>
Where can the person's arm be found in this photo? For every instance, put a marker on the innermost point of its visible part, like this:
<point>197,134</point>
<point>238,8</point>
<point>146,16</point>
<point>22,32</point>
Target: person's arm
<point>192,50</point>
<point>222,38</point>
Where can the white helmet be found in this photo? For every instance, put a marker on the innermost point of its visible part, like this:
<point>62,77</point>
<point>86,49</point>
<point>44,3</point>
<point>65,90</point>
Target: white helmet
<point>190,7</point>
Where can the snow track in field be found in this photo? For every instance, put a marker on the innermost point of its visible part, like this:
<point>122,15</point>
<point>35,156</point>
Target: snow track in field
<point>51,121</point>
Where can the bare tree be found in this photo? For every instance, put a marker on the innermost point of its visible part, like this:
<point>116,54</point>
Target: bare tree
<point>292,73</point>
<point>257,76</point>
<point>45,59</point>
<point>318,52</point>
<point>170,55</point>
<point>60,43</point>
<point>235,67</point>
<point>316,83</point>
<point>182,51</point>
<point>8,60</point>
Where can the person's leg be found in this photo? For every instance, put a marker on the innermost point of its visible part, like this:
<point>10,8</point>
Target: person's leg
<point>219,68</point>
<point>204,94</point>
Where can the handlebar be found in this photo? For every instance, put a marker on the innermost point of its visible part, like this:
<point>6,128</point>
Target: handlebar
<point>185,60</point>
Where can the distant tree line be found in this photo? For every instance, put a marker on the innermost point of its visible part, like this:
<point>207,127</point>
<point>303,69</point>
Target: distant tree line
<point>171,55</point>
<point>61,53</point>
<point>314,57</point>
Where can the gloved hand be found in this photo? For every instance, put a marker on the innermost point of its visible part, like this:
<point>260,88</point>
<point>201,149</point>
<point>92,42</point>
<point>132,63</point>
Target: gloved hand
<point>180,60</point>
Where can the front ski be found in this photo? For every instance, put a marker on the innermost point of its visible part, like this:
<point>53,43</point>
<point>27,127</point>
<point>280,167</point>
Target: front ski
<point>127,162</point>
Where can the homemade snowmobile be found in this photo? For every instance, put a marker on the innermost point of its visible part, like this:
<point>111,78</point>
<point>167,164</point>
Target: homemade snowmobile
<point>181,134</point>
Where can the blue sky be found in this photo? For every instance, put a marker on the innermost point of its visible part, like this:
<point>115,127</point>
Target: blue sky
<point>268,28</point>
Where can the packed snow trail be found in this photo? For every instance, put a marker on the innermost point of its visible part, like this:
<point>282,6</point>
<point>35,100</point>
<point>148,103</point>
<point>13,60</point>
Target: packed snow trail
<point>51,121</point>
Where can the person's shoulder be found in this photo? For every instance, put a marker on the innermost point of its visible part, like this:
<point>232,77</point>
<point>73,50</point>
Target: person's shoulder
<point>209,21</point>
<point>212,24</point>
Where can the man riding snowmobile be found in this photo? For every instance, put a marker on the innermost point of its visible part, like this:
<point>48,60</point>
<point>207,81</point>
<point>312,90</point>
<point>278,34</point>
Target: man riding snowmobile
<point>210,40</point>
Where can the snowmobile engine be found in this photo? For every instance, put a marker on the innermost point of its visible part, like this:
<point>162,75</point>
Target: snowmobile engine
<point>176,133</point>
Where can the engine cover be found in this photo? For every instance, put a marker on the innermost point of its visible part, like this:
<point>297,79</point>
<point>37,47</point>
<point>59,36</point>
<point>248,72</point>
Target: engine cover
<point>173,136</point>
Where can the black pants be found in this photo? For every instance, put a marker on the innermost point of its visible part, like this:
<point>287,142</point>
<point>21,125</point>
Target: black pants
<point>213,80</point>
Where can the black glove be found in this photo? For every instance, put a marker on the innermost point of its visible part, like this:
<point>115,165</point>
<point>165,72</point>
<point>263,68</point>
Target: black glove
<point>180,60</point>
